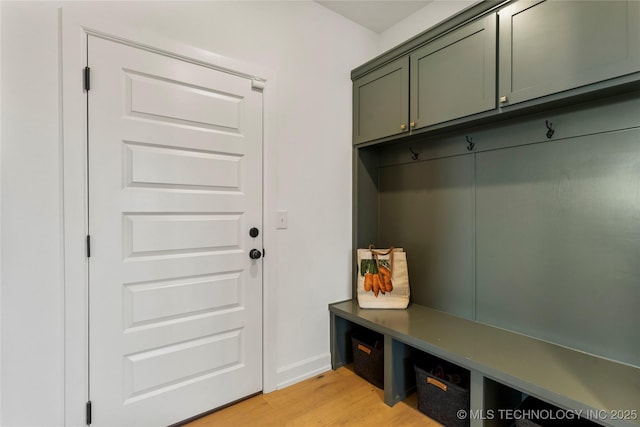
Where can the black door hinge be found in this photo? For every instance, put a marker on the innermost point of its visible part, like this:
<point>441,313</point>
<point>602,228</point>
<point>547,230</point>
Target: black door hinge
<point>89,412</point>
<point>88,246</point>
<point>87,78</point>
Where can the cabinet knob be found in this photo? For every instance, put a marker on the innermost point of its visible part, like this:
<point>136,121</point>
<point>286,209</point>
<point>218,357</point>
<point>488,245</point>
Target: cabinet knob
<point>403,127</point>
<point>504,99</point>
<point>413,125</point>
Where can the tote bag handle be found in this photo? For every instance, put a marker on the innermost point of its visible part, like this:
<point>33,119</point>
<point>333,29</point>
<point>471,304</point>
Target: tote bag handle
<point>375,253</point>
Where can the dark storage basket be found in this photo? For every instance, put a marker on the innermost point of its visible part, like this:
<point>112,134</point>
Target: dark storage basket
<point>440,399</point>
<point>536,413</point>
<point>368,358</point>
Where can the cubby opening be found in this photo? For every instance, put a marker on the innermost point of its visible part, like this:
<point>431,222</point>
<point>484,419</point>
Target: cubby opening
<point>533,412</point>
<point>499,399</point>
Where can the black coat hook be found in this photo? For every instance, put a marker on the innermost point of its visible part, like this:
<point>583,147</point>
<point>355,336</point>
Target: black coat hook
<point>414,155</point>
<point>470,143</point>
<point>550,130</point>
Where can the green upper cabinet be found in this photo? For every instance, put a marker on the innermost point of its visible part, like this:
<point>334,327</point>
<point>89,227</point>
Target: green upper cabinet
<point>452,76</point>
<point>381,102</point>
<point>551,46</point>
<point>529,50</point>
<point>455,75</point>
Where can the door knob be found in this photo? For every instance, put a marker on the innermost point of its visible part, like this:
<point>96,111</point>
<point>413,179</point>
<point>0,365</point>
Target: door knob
<point>255,254</point>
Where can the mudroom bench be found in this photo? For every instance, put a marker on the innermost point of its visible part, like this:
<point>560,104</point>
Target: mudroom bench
<point>504,366</point>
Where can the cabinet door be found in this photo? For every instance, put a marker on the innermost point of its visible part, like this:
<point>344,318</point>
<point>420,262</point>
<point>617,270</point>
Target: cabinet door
<point>551,46</point>
<point>381,102</point>
<point>455,75</point>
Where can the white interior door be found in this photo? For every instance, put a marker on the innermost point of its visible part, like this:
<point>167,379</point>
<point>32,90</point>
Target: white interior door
<point>175,185</point>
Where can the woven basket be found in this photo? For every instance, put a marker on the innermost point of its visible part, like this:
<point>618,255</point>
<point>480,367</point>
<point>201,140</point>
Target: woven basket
<point>442,400</point>
<point>368,359</point>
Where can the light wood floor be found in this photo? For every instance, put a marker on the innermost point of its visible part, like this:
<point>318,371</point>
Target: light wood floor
<point>335,398</point>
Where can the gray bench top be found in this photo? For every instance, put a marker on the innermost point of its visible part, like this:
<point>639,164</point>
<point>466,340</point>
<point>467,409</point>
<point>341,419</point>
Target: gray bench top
<point>603,389</point>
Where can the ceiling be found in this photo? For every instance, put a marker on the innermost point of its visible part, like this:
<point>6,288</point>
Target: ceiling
<point>377,15</point>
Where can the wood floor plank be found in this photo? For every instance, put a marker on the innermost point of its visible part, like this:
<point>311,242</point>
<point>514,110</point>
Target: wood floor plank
<point>335,398</point>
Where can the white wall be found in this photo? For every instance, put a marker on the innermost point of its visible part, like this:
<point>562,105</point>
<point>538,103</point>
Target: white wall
<point>31,281</point>
<point>310,51</point>
<point>425,18</point>
<point>0,218</point>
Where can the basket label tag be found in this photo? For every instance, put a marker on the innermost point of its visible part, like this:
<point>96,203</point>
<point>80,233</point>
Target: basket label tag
<point>440,385</point>
<point>363,348</point>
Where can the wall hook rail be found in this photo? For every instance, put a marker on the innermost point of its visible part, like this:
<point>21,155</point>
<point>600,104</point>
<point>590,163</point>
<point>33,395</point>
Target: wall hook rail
<point>414,155</point>
<point>470,143</point>
<point>550,130</point>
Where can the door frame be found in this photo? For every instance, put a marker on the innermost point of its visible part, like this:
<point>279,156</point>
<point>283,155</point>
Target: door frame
<point>74,24</point>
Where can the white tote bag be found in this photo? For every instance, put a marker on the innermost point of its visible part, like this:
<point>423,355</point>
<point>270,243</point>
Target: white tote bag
<point>383,278</point>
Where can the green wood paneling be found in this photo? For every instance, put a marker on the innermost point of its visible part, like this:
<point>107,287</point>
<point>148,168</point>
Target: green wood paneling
<point>558,242</point>
<point>365,207</point>
<point>423,206</point>
<point>428,209</point>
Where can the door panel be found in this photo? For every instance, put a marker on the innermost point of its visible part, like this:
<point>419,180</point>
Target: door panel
<point>455,75</point>
<point>175,184</point>
<point>166,167</point>
<point>381,102</point>
<point>196,106</point>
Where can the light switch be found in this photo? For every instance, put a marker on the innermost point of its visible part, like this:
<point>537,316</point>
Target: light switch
<point>281,220</point>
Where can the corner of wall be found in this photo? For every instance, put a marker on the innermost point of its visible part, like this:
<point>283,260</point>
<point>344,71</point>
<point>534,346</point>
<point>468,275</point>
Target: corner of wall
<point>302,370</point>
<point>425,18</point>
<point>1,214</point>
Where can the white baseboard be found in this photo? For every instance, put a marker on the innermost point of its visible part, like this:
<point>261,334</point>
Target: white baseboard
<point>299,371</point>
